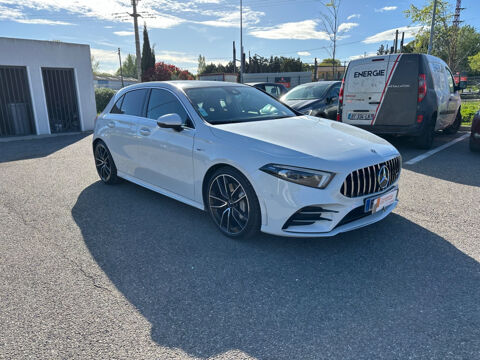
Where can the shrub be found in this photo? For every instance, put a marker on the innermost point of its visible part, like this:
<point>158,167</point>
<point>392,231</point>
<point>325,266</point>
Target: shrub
<point>102,97</point>
<point>469,108</point>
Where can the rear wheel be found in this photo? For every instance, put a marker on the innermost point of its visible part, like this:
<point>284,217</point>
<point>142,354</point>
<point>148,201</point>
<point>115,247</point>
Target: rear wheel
<point>474,147</point>
<point>425,139</point>
<point>233,204</point>
<point>105,165</point>
<point>452,129</point>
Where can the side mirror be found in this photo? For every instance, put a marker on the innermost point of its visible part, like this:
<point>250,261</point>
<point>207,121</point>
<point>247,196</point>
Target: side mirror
<point>170,121</point>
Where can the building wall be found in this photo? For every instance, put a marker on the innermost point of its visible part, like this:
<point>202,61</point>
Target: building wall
<point>34,55</point>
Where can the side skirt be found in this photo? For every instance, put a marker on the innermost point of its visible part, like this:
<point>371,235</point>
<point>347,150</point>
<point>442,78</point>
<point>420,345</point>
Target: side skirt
<point>160,190</point>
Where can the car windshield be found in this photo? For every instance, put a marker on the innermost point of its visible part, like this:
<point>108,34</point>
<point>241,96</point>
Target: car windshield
<point>307,92</point>
<point>231,104</point>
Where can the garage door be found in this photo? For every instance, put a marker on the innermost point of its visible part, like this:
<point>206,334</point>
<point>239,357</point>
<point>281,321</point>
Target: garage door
<point>61,96</point>
<point>16,114</point>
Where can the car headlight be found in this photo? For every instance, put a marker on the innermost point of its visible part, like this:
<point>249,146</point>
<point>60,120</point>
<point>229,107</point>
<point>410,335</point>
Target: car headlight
<point>308,177</point>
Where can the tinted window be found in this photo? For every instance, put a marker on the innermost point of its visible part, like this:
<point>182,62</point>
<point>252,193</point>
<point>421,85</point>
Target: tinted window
<point>229,104</point>
<point>116,108</point>
<point>133,102</point>
<point>307,92</point>
<point>163,102</point>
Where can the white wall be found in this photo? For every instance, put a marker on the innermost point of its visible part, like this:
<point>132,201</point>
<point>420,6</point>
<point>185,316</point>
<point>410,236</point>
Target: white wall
<point>36,54</point>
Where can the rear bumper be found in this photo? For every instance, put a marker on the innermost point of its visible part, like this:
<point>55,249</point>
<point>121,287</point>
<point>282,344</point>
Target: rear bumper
<point>411,130</point>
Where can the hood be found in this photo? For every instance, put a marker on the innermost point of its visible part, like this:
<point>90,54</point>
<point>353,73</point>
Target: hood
<point>301,104</point>
<point>308,136</point>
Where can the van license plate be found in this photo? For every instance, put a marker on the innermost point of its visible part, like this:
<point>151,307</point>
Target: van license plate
<point>381,202</point>
<point>360,116</point>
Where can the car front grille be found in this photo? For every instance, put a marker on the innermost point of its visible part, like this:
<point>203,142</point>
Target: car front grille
<point>364,181</point>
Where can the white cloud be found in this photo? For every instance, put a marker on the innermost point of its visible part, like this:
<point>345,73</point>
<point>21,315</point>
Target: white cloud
<point>410,32</point>
<point>302,30</point>
<point>175,57</point>
<point>344,27</point>
<point>232,18</point>
<point>102,55</point>
<point>304,53</point>
<point>14,14</point>
<point>124,33</point>
<point>386,8</point>
<point>353,16</point>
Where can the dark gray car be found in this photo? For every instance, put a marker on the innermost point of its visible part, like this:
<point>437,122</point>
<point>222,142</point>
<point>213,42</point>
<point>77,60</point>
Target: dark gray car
<point>316,98</point>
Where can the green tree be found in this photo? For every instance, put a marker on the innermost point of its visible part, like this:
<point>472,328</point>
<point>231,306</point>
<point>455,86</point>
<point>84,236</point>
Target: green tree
<point>381,50</point>
<point>129,68</point>
<point>474,63</point>
<point>330,62</point>
<point>148,56</point>
<point>201,65</point>
<point>95,65</point>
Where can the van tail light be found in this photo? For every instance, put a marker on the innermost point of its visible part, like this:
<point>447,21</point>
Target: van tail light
<point>422,87</point>
<point>340,101</point>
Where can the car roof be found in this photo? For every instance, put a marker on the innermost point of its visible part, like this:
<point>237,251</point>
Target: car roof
<point>263,83</point>
<point>183,84</point>
<point>321,83</point>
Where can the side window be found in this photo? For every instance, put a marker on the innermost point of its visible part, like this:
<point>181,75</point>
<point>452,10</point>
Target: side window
<point>133,102</point>
<point>163,102</point>
<point>451,84</point>
<point>118,105</point>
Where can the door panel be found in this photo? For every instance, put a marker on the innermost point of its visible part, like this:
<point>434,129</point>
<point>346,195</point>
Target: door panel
<point>121,125</point>
<point>164,156</point>
<point>454,98</point>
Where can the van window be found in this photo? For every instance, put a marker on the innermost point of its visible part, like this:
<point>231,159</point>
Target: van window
<point>133,102</point>
<point>450,82</point>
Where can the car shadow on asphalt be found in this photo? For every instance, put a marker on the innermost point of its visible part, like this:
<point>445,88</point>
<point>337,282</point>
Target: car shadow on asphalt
<point>36,148</point>
<point>455,164</point>
<point>390,290</point>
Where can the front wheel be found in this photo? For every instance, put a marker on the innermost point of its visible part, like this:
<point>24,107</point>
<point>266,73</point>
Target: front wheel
<point>233,204</point>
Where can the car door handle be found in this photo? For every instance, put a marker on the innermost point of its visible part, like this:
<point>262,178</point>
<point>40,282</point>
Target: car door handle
<point>145,131</point>
<point>111,124</point>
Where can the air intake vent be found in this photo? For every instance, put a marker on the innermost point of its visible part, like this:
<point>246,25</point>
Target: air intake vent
<point>308,216</point>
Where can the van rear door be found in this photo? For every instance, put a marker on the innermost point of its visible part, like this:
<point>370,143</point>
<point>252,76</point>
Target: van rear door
<point>364,85</point>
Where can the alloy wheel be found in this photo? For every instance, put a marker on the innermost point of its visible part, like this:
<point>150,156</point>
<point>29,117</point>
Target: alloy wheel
<point>102,162</point>
<point>228,204</point>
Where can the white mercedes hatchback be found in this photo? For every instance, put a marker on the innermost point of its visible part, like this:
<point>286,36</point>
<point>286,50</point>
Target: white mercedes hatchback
<point>250,161</point>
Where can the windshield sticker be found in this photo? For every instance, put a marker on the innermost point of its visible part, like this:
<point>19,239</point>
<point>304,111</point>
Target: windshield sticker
<point>203,112</point>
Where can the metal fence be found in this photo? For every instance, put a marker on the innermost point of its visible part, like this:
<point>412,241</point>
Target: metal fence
<point>16,114</point>
<point>61,96</point>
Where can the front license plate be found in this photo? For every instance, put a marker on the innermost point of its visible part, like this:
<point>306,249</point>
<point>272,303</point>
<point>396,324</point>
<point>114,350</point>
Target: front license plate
<point>360,116</point>
<point>381,202</point>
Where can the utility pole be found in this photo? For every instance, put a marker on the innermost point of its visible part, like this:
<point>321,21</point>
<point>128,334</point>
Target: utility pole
<point>242,59</point>
<point>432,28</point>
<point>135,16</point>
<point>234,59</point>
<point>401,42</point>
<point>121,70</point>
<point>452,63</point>
<point>396,41</point>
<point>315,70</point>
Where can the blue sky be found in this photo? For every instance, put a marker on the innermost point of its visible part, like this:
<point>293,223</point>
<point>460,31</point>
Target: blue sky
<point>181,30</point>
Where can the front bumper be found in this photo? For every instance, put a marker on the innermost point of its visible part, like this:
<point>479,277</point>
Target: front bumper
<point>281,199</point>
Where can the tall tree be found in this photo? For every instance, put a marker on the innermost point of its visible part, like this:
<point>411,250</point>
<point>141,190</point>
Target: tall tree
<point>95,65</point>
<point>148,56</point>
<point>474,63</point>
<point>201,64</point>
<point>129,67</point>
<point>329,18</point>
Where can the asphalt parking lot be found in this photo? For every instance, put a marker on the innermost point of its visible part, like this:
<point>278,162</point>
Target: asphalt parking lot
<point>95,271</point>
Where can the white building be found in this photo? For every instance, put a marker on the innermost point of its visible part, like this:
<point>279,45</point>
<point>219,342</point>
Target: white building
<point>46,87</point>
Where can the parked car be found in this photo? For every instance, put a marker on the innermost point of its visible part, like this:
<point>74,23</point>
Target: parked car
<point>316,98</point>
<point>246,158</point>
<point>274,89</point>
<point>475,133</point>
<point>402,94</point>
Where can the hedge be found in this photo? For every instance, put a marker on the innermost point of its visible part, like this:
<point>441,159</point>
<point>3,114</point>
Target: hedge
<point>102,97</point>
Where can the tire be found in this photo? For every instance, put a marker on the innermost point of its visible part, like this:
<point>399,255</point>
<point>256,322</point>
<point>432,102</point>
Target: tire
<point>425,139</point>
<point>452,129</point>
<point>106,169</point>
<point>232,204</point>
<point>474,147</point>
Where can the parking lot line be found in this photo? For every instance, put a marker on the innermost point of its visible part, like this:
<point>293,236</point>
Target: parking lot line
<point>436,150</point>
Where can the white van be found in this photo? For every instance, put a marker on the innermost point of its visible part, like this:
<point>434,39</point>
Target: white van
<point>402,94</point>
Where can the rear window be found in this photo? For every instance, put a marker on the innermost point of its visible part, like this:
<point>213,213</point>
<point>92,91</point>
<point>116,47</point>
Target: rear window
<point>366,76</point>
